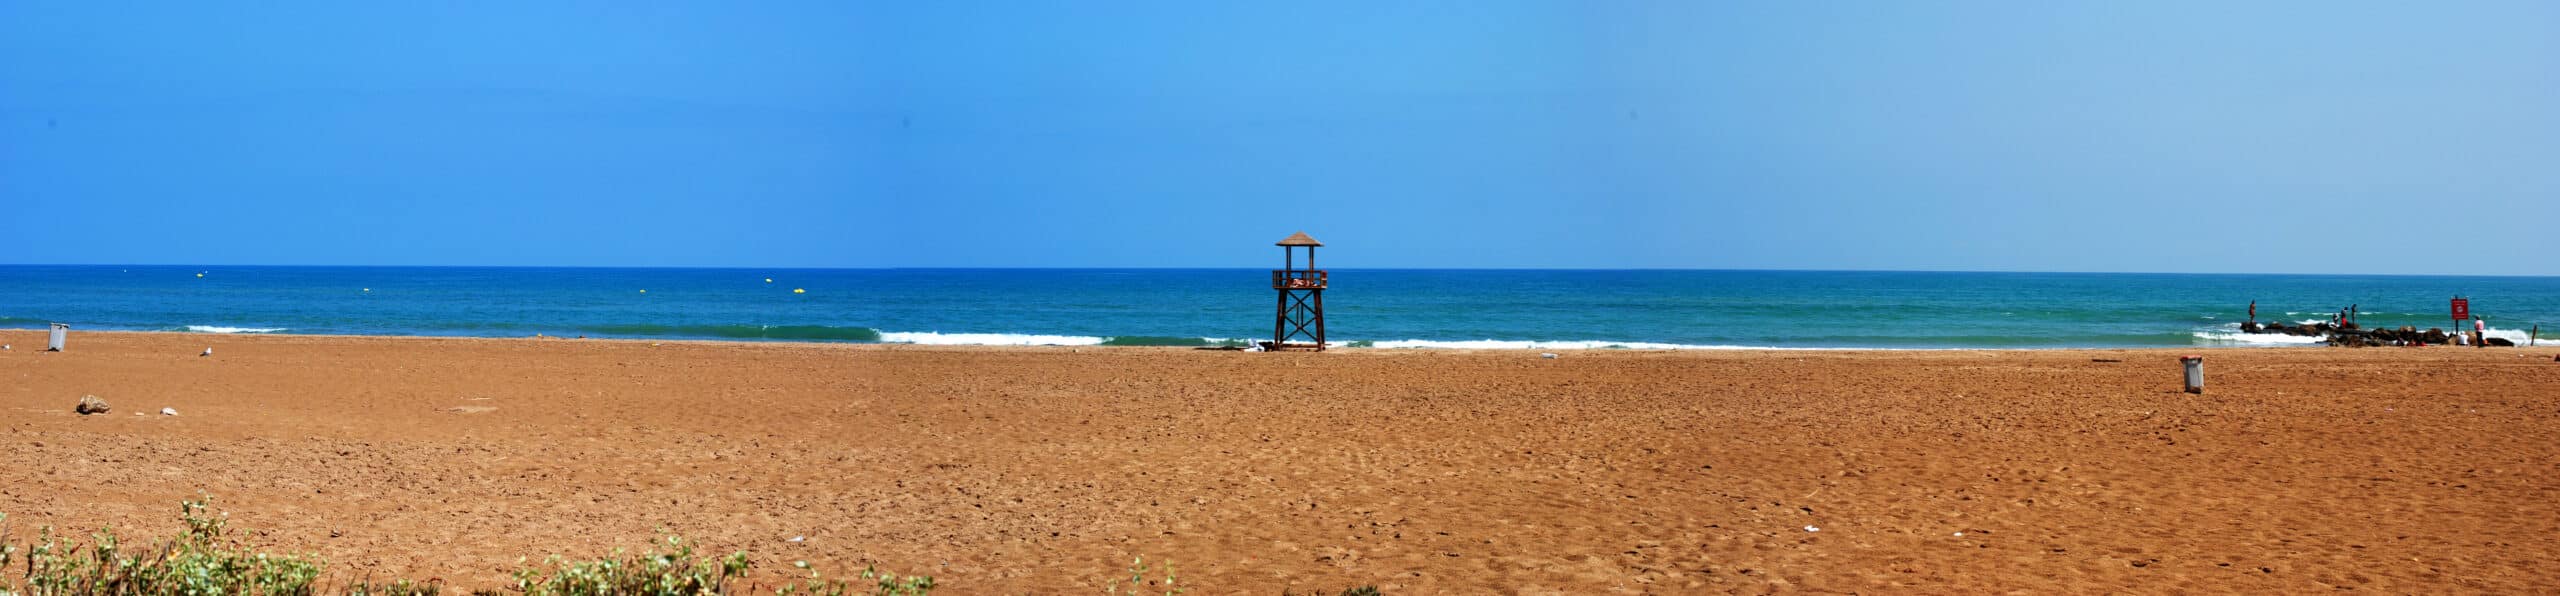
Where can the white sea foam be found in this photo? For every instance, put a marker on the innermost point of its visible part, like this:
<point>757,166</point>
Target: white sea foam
<point>931,338</point>
<point>221,329</point>
<point>2516,335</point>
<point>1498,344</point>
<point>1017,339</point>
<point>2231,334</point>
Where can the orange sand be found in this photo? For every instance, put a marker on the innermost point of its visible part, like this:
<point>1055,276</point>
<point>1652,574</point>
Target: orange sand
<point>1045,470</point>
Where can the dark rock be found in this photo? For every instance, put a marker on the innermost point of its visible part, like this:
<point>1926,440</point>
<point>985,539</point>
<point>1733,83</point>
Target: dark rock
<point>2401,336</point>
<point>90,404</point>
<point>2501,342</point>
<point>2354,340</point>
<point>2250,327</point>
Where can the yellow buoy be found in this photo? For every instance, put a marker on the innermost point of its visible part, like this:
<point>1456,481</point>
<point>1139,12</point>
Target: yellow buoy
<point>799,291</point>
<point>368,289</point>
<point>644,291</point>
<point>199,275</point>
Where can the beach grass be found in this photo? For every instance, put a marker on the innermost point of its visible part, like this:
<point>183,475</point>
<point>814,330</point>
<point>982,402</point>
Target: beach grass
<point>205,559</point>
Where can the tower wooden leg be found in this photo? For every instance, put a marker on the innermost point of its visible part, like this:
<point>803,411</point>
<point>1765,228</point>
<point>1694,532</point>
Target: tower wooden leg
<point>1319,315</point>
<point>1280,321</point>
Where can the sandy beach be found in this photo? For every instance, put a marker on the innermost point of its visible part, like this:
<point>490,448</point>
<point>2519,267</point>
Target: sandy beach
<point>1045,470</point>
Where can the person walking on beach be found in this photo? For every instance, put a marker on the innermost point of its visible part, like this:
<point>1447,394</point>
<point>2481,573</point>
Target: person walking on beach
<point>2480,332</point>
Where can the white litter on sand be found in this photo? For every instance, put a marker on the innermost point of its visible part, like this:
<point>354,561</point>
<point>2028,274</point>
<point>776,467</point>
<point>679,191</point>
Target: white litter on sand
<point>1547,355</point>
<point>168,411</point>
<point>1812,529</point>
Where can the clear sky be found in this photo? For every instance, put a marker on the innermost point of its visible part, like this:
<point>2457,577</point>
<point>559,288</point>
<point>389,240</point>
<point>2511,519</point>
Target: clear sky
<point>2343,137</point>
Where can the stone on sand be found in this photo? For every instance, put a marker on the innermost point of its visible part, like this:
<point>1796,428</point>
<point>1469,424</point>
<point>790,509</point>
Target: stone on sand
<point>90,404</point>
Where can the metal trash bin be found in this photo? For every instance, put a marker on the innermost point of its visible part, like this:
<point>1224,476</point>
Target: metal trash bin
<point>53,343</point>
<point>2195,372</point>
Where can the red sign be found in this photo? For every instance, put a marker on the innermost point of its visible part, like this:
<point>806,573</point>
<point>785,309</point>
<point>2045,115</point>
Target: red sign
<point>2461,308</point>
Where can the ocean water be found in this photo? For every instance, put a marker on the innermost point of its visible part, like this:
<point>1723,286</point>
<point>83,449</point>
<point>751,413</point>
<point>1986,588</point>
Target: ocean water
<point>1542,309</point>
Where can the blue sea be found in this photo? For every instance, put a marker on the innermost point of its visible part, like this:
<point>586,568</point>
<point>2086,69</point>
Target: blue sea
<point>1542,309</point>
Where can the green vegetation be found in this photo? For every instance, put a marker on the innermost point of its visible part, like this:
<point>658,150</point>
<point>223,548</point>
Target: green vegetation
<point>1138,582</point>
<point>881,583</point>
<point>201,561</point>
<point>673,571</point>
<point>204,561</point>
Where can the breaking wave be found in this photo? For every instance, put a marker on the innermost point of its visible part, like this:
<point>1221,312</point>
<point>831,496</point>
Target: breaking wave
<point>2520,336</point>
<point>792,332</point>
<point>2231,335</point>
<point>1500,344</point>
<point>222,329</point>
<point>935,338</point>
<point>1182,342</point>
<point>932,338</point>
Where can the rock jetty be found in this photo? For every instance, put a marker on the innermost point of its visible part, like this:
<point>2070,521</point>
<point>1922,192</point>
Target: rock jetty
<point>2353,336</point>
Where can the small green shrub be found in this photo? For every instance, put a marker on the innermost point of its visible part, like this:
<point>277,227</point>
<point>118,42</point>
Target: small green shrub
<point>672,572</point>
<point>394,588</point>
<point>880,583</point>
<point>199,562</point>
<point>203,562</point>
<point>675,572</point>
<point>1138,583</point>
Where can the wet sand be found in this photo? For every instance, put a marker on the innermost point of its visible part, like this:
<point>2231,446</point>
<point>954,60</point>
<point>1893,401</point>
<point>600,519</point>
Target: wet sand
<point>1044,470</point>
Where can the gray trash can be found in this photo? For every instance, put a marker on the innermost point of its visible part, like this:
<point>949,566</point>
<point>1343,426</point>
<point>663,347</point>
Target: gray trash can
<point>2195,372</point>
<point>53,343</point>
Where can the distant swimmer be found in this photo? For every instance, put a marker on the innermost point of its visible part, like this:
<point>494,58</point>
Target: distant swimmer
<point>768,280</point>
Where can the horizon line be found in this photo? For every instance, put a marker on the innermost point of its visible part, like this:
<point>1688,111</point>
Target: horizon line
<point>1089,268</point>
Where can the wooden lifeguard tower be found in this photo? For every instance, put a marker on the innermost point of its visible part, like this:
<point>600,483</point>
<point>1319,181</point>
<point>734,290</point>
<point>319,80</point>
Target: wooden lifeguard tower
<point>1301,314</point>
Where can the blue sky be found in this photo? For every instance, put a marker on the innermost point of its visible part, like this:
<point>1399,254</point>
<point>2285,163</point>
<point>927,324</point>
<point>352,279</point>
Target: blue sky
<point>2317,137</point>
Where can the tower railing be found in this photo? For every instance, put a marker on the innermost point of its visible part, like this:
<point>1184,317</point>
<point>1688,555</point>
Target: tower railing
<point>1297,279</point>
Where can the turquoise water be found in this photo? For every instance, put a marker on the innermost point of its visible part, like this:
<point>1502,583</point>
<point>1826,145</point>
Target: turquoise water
<point>1372,308</point>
